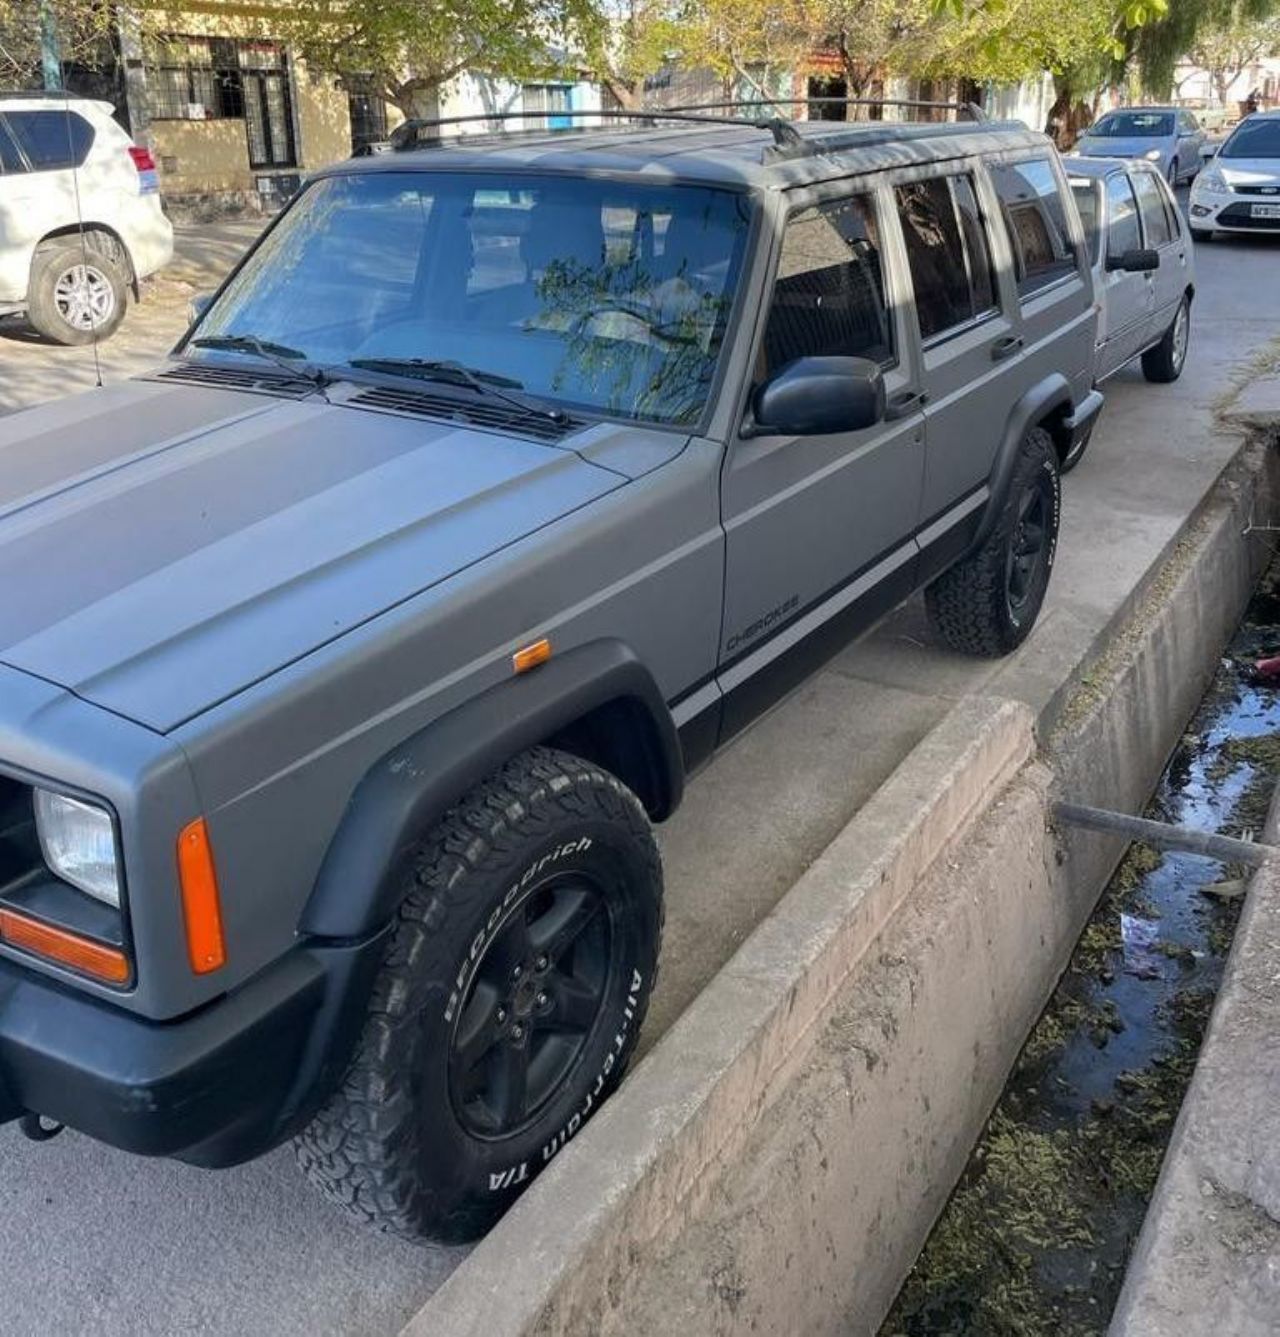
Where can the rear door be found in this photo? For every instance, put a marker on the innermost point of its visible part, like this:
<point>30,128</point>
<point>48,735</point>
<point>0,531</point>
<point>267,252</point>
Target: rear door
<point>1128,297</point>
<point>1162,232</point>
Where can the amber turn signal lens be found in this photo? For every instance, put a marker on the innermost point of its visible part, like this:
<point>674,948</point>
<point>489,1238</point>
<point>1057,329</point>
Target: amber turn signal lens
<point>68,949</point>
<point>201,909</point>
<point>530,656</point>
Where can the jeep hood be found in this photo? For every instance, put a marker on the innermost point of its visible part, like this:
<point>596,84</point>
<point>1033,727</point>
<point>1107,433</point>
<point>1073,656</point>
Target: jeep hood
<point>164,546</point>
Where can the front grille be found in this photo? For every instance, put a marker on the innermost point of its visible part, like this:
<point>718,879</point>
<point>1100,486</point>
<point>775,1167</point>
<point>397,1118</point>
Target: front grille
<point>252,379</point>
<point>1273,191</point>
<point>1238,215</point>
<point>19,847</point>
<point>491,415</point>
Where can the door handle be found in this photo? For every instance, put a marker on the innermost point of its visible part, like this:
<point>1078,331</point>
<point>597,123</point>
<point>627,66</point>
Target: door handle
<point>902,404</point>
<point>1006,347</point>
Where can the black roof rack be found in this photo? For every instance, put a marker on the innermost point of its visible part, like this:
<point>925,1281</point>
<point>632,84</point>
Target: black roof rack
<point>417,133</point>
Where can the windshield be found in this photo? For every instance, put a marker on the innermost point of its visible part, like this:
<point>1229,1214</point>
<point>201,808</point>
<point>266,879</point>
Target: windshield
<point>1254,139</point>
<point>1133,125</point>
<point>602,295</point>
<point>1086,196</point>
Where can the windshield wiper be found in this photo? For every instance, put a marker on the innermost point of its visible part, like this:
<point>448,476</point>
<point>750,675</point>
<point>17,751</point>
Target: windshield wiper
<point>281,354</point>
<point>448,372</point>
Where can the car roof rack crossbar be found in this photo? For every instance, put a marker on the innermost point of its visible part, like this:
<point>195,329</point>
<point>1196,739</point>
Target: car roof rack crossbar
<point>422,132</point>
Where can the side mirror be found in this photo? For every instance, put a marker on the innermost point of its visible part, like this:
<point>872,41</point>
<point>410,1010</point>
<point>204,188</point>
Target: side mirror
<point>818,396</point>
<point>198,305</point>
<point>1135,262</point>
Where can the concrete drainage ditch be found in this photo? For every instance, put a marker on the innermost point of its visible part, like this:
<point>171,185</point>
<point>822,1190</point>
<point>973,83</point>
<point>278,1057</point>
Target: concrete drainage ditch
<point>777,1161</point>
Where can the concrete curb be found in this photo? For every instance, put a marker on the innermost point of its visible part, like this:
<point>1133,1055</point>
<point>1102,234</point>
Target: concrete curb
<point>1208,1258</point>
<point>639,1167</point>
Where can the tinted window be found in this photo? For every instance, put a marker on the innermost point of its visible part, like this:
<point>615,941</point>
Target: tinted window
<point>1122,221</point>
<point>1151,201</point>
<point>10,160</point>
<point>1254,139</point>
<point>828,298</point>
<point>51,139</point>
<point>594,293</point>
<point>1133,125</point>
<point>1086,197</point>
<point>1036,217</point>
<point>944,249</point>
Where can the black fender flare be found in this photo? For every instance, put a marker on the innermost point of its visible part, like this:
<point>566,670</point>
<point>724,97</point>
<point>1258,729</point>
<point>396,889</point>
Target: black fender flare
<point>410,789</point>
<point>1047,397</point>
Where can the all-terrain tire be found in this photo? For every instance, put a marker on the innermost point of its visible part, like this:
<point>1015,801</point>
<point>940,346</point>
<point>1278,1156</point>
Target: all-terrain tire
<point>78,291</point>
<point>987,603</point>
<point>404,1144</point>
<point>1163,362</point>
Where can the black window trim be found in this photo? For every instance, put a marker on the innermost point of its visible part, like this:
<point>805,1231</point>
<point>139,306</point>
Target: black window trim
<point>993,312</point>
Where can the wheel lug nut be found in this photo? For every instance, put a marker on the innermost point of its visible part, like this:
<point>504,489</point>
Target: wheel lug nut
<point>541,963</point>
<point>517,1032</point>
<point>542,1000</point>
<point>517,972</point>
<point>502,1015</point>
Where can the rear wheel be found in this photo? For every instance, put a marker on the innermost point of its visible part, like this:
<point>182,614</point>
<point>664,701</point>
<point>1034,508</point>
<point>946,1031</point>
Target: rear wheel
<point>988,603</point>
<point>1165,361</point>
<point>1173,173</point>
<point>509,1001</point>
<point>1202,234</point>
<point>77,293</point>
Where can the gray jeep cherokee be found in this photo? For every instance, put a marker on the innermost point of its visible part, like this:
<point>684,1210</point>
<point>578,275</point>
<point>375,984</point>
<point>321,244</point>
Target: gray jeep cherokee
<point>346,658</point>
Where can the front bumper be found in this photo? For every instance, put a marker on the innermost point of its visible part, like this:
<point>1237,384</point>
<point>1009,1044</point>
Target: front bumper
<point>1079,423</point>
<point>215,1088</point>
<point>1232,213</point>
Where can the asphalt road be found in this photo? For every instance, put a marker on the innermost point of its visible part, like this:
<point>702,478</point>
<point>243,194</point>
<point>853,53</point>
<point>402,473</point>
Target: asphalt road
<point>93,1241</point>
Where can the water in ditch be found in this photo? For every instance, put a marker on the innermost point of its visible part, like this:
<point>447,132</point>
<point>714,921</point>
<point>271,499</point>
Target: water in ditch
<point>1036,1236</point>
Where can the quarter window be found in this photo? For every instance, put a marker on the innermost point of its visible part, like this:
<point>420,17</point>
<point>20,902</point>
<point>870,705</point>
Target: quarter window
<point>1036,217</point>
<point>52,140</point>
<point>1151,202</point>
<point>947,253</point>
<point>1122,217</point>
<point>10,158</point>
<point>828,298</point>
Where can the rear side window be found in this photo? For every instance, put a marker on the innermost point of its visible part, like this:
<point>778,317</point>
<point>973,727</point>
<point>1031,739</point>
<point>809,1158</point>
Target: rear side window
<point>1036,217</point>
<point>1151,203</point>
<point>52,140</point>
<point>10,158</point>
<point>1122,217</point>
<point>828,298</point>
<point>947,252</point>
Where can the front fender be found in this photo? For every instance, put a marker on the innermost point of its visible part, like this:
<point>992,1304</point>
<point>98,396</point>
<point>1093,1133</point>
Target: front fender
<point>411,788</point>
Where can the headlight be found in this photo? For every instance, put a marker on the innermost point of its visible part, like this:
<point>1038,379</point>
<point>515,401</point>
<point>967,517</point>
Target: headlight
<point>1210,180</point>
<point>78,841</point>
<point>1152,155</point>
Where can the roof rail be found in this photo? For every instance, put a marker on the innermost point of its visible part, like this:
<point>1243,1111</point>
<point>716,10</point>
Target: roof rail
<point>422,132</point>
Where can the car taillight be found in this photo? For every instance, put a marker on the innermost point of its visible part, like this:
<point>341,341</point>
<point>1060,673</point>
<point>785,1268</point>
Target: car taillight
<point>142,158</point>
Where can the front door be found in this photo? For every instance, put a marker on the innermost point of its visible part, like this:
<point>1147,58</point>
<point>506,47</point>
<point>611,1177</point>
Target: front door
<point>818,528</point>
<point>1126,297</point>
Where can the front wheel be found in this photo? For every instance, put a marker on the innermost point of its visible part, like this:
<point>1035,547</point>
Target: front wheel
<point>1173,173</point>
<point>508,1004</point>
<point>1165,361</point>
<point>988,603</point>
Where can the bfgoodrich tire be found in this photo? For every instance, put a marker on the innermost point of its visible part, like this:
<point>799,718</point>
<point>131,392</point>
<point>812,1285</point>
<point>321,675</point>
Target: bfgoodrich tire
<point>77,291</point>
<point>512,992</point>
<point>988,603</point>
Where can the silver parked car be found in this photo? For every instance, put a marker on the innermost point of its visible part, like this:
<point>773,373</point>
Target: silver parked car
<point>1144,269</point>
<point>1169,137</point>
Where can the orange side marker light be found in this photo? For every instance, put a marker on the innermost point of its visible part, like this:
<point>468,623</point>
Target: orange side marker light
<point>530,656</point>
<point>206,949</point>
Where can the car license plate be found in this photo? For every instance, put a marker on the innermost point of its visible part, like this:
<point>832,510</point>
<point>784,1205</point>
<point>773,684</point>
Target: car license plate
<point>1266,211</point>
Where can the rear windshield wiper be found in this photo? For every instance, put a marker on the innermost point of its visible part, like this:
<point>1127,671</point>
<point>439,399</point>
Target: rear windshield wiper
<point>449,372</point>
<point>281,354</point>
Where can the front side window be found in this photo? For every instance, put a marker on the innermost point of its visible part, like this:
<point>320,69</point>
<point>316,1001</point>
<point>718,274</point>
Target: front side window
<point>607,296</point>
<point>1151,203</point>
<point>947,253</point>
<point>1085,192</point>
<point>1036,217</point>
<point>828,298</point>
<point>52,140</point>
<point>1123,233</point>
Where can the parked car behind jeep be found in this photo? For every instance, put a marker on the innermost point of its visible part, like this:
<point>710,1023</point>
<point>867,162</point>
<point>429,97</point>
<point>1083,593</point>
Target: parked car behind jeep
<point>349,656</point>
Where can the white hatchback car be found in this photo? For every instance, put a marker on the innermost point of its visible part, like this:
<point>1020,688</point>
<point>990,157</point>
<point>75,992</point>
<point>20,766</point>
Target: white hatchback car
<point>1144,268</point>
<point>66,165</point>
<point>1239,190</point>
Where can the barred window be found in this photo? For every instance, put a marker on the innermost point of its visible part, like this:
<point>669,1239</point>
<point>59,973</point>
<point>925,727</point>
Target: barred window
<point>202,78</point>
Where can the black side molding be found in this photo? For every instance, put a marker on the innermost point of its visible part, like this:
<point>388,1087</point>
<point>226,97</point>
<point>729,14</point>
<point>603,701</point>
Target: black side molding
<point>413,786</point>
